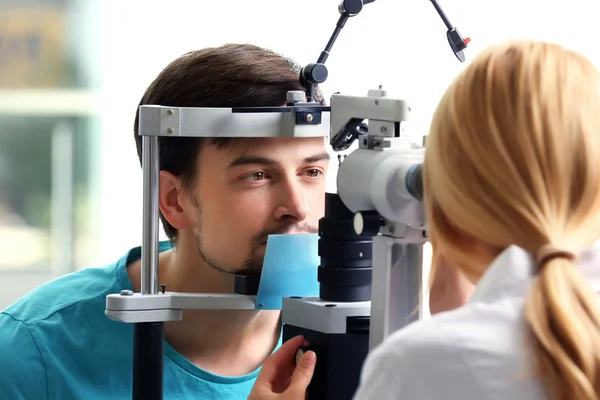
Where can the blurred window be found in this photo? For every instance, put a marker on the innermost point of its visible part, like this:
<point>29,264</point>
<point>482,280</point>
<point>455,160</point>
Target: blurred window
<point>49,138</point>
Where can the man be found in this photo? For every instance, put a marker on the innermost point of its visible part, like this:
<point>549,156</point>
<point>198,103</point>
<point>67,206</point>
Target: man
<point>219,200</point>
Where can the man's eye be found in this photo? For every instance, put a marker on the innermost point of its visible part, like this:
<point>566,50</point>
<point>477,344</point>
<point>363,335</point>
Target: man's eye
<point>255,176</point>
<point>313,173</point>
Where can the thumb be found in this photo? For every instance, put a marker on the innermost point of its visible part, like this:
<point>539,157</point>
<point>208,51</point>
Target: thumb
<point>303,373</point>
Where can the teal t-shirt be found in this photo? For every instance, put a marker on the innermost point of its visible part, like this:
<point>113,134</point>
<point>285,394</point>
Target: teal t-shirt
<point>57,343</point>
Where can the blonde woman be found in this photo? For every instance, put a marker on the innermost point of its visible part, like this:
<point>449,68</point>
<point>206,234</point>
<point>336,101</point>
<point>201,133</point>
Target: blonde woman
<point>512,194</point>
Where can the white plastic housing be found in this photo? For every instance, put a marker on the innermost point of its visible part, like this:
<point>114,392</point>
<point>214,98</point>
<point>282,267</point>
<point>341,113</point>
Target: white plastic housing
<point>375,180</point>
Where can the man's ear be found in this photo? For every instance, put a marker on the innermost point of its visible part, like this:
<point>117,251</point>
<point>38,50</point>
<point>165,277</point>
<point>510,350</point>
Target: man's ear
<point>171,201</point>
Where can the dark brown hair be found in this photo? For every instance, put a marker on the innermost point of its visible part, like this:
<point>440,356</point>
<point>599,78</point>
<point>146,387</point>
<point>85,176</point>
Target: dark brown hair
<point>232,75</point>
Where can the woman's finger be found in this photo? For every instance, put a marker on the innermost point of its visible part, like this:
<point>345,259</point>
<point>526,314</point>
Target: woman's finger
<point>303,374</point>
<point>276,369</point>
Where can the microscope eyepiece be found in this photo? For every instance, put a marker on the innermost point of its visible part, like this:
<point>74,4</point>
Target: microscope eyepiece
<point>414,181</point>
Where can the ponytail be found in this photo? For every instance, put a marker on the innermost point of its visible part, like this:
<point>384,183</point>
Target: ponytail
<point>563,315</point>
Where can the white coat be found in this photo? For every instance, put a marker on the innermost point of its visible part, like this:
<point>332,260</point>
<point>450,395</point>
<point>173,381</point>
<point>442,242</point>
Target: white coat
<point>478,351</point>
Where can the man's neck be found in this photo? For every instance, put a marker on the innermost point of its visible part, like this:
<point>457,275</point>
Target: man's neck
<point>223,342</point>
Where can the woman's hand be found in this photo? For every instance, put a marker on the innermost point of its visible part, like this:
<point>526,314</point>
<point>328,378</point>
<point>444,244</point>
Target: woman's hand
<point>280,378</point>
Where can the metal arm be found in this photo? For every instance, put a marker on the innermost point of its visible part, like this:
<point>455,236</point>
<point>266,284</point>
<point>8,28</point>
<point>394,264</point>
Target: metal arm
<point>316,73</point>
<point>148,345</point>
<point>455,40</point>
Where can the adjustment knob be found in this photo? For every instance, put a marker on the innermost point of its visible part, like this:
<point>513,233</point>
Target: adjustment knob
<point>296,96</point>
<point>315,73</point>
<point>319,73</point>
<point>367,223</point>
<point>352,7</point>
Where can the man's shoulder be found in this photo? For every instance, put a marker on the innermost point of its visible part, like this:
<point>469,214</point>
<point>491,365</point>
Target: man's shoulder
<point>85,287</point>
<point>80,288</point>
<point>60,330</point>
<point>40,330</point>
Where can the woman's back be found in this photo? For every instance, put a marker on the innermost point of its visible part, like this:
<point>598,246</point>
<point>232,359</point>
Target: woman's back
<point>479,351</point>
<point>512,198</point>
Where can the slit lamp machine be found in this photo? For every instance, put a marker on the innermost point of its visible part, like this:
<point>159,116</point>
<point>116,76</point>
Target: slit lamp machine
<point>344,289</point>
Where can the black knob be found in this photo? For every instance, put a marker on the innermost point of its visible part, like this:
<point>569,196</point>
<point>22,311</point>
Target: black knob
<point>367,223</point>
<point>352,7</point>
<point>315,73</point>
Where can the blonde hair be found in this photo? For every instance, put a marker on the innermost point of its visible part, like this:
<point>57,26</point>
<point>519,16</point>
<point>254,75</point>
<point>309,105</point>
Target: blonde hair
<point>513,158</point>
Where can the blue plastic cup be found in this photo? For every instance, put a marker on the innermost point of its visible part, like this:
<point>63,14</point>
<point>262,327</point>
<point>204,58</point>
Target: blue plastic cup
<point>290,268</point>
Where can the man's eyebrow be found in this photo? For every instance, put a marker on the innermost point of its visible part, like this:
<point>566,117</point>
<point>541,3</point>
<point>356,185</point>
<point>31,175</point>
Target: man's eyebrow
<point>258,160</point>
<point>251,160</point>
<point>324,156</point>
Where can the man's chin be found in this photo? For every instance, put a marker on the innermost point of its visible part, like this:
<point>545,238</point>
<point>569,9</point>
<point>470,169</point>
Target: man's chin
<point>247,281</point>
<point>252,270</point>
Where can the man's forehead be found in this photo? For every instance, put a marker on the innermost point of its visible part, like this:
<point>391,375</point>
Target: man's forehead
<point>265,151</point>
<point>244,146</point>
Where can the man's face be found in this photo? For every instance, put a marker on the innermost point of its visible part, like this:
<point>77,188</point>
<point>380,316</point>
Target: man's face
<point>253,188</point>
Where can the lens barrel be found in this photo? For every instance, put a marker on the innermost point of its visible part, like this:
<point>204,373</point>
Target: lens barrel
<point>345,273</point>
<point>414,181</point>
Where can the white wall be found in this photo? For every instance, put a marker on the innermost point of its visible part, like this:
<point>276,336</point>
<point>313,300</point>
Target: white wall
<point>398,44</point>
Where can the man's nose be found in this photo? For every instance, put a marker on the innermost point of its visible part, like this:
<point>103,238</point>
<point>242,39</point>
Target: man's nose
<point>292,203</point>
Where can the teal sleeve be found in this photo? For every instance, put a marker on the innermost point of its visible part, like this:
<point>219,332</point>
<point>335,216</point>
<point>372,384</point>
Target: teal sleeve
<point>22,371</point>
